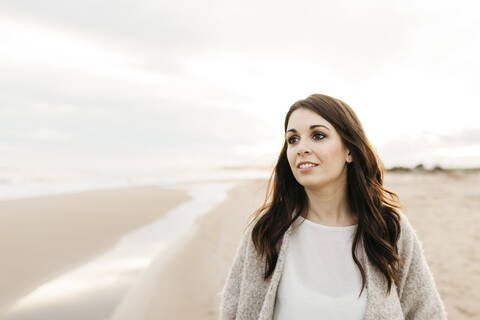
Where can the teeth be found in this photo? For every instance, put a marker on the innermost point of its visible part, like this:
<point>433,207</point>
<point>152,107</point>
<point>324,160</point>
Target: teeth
<point>306,165</point>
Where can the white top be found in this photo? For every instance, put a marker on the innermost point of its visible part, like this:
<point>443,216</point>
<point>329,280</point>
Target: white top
<point>320,278</point>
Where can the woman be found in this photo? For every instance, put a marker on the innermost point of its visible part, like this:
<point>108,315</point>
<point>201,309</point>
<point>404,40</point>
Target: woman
<point>330,242</point>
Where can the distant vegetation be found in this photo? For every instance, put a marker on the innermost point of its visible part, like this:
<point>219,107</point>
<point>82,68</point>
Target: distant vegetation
<point>399,169</point>
<point>418,168</point>
<point>437,168</point>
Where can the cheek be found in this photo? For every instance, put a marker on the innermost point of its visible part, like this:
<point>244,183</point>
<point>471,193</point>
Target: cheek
<point>292,159</point>
<point>334,153</point>
<point>329,154</point>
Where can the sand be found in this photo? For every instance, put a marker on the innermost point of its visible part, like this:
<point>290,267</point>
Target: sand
<point>189,276</point>
<point>185,282</point>
<point>443,208</point>
<point>43,237</point>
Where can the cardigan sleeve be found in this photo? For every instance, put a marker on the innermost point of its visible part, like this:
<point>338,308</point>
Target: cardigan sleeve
<point>418,294</point>
<point>231,290</point>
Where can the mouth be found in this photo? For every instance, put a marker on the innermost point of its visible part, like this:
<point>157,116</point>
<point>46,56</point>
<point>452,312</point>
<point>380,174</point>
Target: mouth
<point>306,165</point>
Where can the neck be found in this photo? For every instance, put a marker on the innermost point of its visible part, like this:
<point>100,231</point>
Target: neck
<point>329,206</point>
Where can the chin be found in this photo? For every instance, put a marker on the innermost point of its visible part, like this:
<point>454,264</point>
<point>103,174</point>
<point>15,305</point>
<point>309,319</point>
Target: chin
<point>310,182</point>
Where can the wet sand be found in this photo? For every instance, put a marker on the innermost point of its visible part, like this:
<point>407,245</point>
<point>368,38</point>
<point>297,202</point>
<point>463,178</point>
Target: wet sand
<point>43,237</point>
<point>443,208</point>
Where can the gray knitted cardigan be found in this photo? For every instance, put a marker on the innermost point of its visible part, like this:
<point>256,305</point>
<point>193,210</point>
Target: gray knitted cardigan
<point>246,296</point>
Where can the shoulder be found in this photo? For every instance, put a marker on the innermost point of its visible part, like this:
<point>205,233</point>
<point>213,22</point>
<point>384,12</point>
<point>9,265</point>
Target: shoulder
<point>246,247</point>
<point>416,281</point>
<point>407,232</point>
<point>410,248</point>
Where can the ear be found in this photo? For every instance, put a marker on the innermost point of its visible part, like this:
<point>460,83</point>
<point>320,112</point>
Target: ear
<point>349,156</point>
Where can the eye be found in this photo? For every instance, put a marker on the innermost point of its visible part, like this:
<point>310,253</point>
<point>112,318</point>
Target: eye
<point>291,140</point>
<point>317,135</point>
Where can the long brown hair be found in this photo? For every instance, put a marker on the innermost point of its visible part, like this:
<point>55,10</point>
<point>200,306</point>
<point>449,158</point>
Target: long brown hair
<point>286,200</point>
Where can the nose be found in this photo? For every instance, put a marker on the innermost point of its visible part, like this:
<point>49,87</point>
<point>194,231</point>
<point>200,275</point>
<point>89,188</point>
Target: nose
<point>303,149</point>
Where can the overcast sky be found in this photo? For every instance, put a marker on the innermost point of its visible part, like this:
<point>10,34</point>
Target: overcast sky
<point>137,84</point>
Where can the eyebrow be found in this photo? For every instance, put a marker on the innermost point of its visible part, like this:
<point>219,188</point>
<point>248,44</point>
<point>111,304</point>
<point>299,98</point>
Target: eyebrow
<point>313,126</point>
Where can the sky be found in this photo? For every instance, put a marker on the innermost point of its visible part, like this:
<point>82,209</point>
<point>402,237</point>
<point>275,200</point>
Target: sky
<point>140,86</point>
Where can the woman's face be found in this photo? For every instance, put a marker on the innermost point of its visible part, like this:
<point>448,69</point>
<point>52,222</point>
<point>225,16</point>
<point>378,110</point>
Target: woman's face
<point>313,140</point>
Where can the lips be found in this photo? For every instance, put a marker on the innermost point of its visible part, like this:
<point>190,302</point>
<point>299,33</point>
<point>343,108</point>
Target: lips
<point>306,162</point>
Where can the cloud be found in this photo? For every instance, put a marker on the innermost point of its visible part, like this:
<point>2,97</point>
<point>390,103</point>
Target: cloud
<point>350,38</point>
<point>458,148</point>
<point>157,78</point>
<point>49,136</point>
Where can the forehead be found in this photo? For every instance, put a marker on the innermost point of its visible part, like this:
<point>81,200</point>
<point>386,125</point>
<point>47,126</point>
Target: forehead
<point>302,119</point>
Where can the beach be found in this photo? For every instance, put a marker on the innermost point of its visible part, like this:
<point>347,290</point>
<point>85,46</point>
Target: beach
<point>46,236</point>
<point>43,237</point>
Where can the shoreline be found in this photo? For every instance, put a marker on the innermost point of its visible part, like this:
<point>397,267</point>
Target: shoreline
<point>434,203</point>
<point>170,281</point>
<point>45,236</point>
<point>185,282</point>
